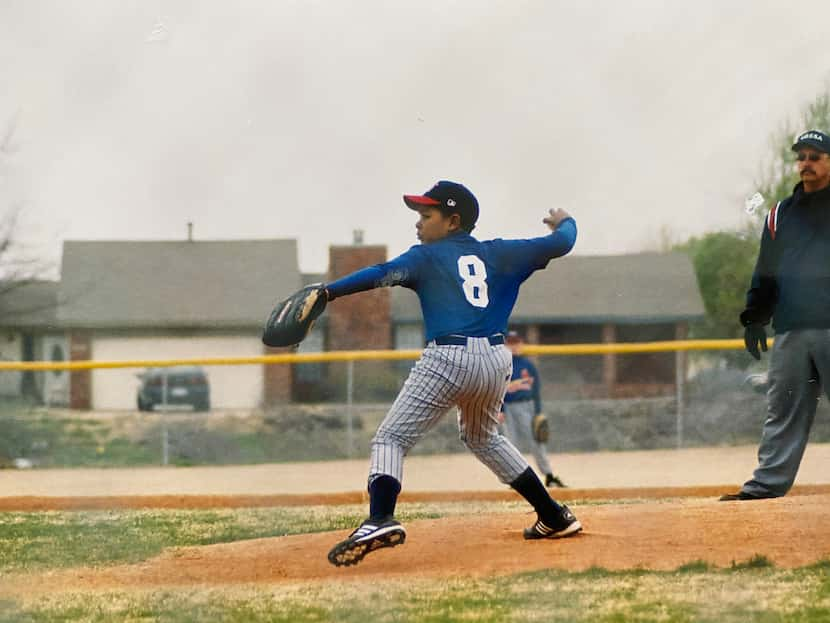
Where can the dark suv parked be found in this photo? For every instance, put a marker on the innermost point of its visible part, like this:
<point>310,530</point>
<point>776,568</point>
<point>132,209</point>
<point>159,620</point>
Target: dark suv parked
<point>180,385</point>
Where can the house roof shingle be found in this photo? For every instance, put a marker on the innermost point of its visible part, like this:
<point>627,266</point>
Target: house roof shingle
<point>235,283</point>
<point>29,304</point>
<point>205,284</point>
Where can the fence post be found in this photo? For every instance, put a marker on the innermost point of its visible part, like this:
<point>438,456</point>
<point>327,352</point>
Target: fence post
<point>165,444</point>
<point>349,403</point>
<point>679,382</point>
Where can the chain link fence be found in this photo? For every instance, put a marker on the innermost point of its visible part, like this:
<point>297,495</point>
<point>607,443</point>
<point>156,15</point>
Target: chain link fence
<point>721,405</point>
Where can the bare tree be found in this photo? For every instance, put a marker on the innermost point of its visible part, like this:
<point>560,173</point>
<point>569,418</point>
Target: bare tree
<point>18,267</point>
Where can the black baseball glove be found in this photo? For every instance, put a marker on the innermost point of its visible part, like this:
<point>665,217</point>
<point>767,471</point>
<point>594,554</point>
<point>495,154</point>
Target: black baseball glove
<point>755,336</point>
<point>294,317</point>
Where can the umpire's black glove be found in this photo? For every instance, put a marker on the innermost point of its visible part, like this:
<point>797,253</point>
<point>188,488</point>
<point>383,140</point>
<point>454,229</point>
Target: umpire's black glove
<point>754,336</point>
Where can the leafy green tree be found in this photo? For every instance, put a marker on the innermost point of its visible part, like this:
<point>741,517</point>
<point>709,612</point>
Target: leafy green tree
<point>723,262</point>
<point>779,175</point>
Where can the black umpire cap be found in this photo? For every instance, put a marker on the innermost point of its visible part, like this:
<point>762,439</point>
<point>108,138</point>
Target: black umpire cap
<point>813,138</point>
<point>450,198</point>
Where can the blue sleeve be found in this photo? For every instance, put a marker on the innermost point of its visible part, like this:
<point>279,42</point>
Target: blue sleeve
<point>558,243</point>
<point>532,254</point>
<point>400,271</point>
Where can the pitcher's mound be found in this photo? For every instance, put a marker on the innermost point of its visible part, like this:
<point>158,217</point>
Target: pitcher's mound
<point>789,532</point>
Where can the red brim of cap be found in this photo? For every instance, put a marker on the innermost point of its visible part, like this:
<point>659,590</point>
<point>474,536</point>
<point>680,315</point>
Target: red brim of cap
<point>420,201</point>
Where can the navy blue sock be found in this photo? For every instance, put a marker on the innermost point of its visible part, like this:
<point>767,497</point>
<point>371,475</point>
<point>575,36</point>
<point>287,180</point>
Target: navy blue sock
<point>383,495</point>
<point>531,488</point>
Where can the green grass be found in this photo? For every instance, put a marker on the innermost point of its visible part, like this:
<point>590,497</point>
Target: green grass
<point>707,596</point>
<point>58,439</point>
<point>53,441</point>
<point>39,541</point>
<point>747,591</point>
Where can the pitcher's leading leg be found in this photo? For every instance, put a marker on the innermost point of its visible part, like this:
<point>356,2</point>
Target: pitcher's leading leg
<point>368,537</point>
<point>378,531</point>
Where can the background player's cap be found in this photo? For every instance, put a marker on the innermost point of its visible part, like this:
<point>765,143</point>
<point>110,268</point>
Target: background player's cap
<point>450,198</point>
<point>813,138</point>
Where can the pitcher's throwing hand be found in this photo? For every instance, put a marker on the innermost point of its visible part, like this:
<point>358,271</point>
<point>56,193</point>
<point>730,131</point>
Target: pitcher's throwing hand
<point>557,215</point>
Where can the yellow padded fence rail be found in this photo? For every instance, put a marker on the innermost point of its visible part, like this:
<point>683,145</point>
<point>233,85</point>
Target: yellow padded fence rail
<point>377,355</point>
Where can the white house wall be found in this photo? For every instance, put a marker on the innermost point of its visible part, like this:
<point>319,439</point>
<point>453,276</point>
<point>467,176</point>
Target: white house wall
<point>230,386</point>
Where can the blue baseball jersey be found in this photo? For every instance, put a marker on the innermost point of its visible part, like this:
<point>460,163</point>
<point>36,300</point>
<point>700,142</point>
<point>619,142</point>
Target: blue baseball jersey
<point>466,287</point>
<point>524,369</point>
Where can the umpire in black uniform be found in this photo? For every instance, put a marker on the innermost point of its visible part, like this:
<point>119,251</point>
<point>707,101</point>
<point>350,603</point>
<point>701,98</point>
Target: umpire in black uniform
<point>791,287</point>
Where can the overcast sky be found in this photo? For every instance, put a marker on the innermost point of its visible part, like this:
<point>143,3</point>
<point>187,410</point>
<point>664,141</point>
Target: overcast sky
<point>310,119</point>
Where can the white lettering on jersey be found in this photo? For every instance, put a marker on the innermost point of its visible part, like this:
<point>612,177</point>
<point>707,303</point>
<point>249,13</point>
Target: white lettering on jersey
<point>472,270</point>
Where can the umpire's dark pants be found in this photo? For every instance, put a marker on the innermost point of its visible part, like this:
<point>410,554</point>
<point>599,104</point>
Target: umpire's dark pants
<point>799,363</point>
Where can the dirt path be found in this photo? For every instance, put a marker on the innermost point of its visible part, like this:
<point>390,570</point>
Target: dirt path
<point>663,535</point>
<point>77,503</point>
<point>688,467</point>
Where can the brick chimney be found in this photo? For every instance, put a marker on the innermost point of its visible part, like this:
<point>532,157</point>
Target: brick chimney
<point>360,321</point>
<point>80,381</point>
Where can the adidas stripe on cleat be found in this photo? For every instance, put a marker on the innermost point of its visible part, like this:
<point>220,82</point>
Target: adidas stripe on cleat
<point>368,537</point>
<point>568,525</point>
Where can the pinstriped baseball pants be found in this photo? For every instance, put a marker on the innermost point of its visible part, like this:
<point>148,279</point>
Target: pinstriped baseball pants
<point>472,378</point>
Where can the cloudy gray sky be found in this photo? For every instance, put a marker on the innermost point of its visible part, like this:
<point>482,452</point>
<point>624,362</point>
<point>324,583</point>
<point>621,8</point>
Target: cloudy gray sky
<point>308,120</point>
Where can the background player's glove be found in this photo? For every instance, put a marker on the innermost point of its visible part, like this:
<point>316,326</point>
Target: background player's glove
<point>755,336</point>
<point>541,430</point>
<point>294,317</point>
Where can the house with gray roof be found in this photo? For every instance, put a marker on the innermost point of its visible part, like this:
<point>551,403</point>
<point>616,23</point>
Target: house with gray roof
<point>151,300</point>
<point>178,299</point>
<point>183,299</point>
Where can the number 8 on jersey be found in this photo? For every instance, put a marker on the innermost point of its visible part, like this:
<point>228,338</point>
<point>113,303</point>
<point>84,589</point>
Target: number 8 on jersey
<point>474,273</point>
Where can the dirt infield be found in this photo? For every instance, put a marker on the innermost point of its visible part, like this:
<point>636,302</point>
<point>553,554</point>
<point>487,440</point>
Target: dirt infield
<point>674,519</point>
<point>658,534</point>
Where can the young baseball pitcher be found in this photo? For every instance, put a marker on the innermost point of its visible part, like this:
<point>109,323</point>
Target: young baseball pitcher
<point>467,289</point>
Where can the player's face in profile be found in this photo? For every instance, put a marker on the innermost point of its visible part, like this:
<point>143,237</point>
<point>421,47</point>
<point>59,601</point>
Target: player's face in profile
<point>813,167</point>
<point>433,225</point>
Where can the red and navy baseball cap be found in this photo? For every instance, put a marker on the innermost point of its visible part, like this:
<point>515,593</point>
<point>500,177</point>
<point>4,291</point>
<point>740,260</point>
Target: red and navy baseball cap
<point>813,138</point>
<point>450,198</point>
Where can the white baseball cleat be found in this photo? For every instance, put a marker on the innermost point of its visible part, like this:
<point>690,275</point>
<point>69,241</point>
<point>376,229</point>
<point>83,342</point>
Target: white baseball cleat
<point>369,536</point>
<point>566,525</point>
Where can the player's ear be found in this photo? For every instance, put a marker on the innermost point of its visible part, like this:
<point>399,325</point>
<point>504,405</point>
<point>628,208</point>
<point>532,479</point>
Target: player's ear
<point>455,221</point>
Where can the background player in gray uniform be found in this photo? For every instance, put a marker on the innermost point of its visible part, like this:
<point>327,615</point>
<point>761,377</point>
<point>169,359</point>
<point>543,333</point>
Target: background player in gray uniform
<point>523,401</point>
<point>467,289</point>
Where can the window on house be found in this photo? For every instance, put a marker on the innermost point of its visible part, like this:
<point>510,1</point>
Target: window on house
<point>570,370</point>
